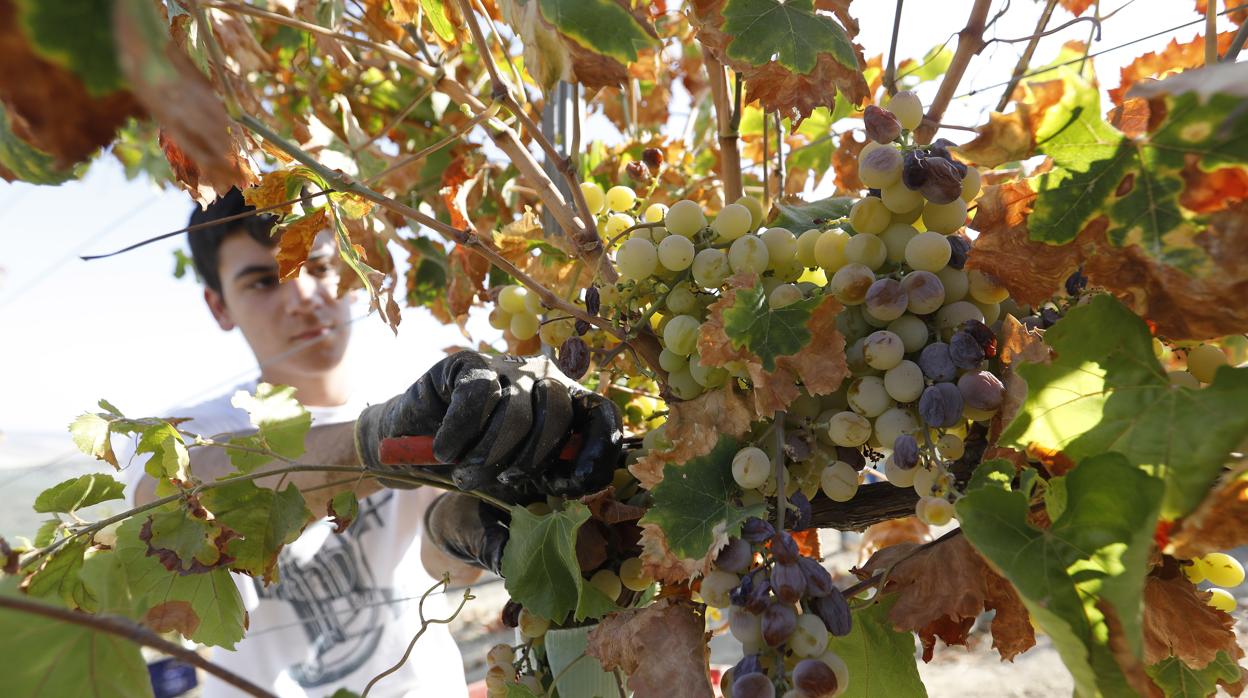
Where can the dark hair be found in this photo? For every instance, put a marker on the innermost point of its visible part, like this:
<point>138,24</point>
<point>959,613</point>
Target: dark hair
<point>206,241</point>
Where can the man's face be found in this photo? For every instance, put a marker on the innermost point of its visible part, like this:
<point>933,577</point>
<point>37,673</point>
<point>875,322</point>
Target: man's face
<point>296,328</point>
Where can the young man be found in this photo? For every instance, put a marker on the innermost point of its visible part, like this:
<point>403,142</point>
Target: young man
<point>345,607</point>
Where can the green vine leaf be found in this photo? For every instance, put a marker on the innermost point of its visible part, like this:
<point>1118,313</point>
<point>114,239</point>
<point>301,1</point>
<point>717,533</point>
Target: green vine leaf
<point>78,493</point>
<point>539,563</point>
<point>602,26</point>
<point>46,657</point>
<point>789,31</point>
<point>77,36</point>
<point>1090,562</point>
<point>769,333</point>
<point>435,12</point>
<point>880,660</point>
<point>58,576</point>
<point>1178,680</point>
<point>22,161</point>
<point>187,542</point>
<point>693,504</point>
<point>264,521</point>
<point>1104,391</point>
<point>91,433</point>
<point>799,216</point>
<point>170,459</point>
<point>207,606</point>
<point>281,426</point>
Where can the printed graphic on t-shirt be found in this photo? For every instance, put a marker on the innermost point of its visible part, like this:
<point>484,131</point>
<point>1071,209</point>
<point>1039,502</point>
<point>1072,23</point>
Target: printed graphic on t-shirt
<point>337,599</point>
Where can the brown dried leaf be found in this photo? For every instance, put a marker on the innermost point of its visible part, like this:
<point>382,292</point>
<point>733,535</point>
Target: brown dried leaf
<point>172,615</point>
<point>1076,7</point>
<point>1208,192</point>
<point>694,427</point>
<point>49,106</point>
<point>296,241</point>
<point>1237,16</point>
<point>658,560</point>
<point>908,529</point>
<point>1012,136</point>
<point>1179,621</point>
<point>604,507</point>
<point>1132,668</point>
<point>1174,58</point>
<point>270,191</point>
<point>662,648</point>
<point>845,163</point>
<point>1016,343</point>
<point>943,588</point>
<point>1219,523</point>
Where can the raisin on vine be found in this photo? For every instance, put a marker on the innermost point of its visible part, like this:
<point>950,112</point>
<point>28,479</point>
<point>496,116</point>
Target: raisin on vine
<point>653,157</point>
<point>573,358</point>
<point>593,300</point>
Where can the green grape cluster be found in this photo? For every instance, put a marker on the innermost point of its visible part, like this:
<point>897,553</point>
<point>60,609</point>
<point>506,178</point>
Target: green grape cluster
<point>1220,570</point>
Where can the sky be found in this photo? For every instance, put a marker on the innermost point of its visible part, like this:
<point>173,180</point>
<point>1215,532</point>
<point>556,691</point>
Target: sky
<point>125,329</point>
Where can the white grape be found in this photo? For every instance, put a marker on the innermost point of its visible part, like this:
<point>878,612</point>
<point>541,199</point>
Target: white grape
<point>839,481</point>
<point>867,396</point>
<point>905,105</point>
<point>850,283</point>
<point>781,247</point>
<point>925,479</point>
<point>756,210</point>
<point>732,222</point>
<point>676,252</point>
<point>924,292</point>
<point>909,217</point>
<point>751,467</point>
<point>950,446</point>
<point>899,199</point>
<point>608,582</point>
<point>810,638</point>
<point>683,385</point>
<point>783,295</point>
<point>970,185</point>
<point>500,319</point>
<point>617,223</point>
<point>711,268</point>
<point>655,213</point>
<point>986,288</point>
<point>681,300</point>
<point>806,247</point>
<point>869,215</point>
<point>672,362</point>
<point>1203,361</point>
<point>746,627</point>
<point>951,317</point>
<point>955,283</point>
<point>883,350</point>
<point>685,218</point>
<point>898,476</point>
<point>895,238</point>
<point>991,311</point>
<point>621,198</point>
<point>512,298</point>
<point>531,625</point>
<point>894,422</point>
<point>533,304</point>
<point>944,218</point>
<point>879,167</point>
<point>500,655</point>
<point>524,326</point>
<point>928,251</point>
<point>904,382</point>
<point>716,586</point>
<point>594,197</point>
<point>555,332</point>
<point>748,253</point>
<point>934,511</point>
<point>681,334</point>
<point>637,259</point>
<point>706,376</point>
<point>633,576</point>
<point>849,429</point>
<point>867,250</point>
<point>912,330</point>
<point>830,250</point>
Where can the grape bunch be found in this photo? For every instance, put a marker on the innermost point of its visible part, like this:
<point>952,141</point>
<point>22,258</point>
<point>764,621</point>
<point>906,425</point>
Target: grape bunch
<point>1220,570</point>
<point>782,608</point>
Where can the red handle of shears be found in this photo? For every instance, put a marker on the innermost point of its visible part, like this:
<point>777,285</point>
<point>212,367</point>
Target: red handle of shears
<point>418,450</point>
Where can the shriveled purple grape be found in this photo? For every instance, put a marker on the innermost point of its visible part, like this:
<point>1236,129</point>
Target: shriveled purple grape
<point>735,557</point>
<point>886,299</point>
<point>755,685</point>
<point>740,594</point>
<point>749,664</point>
<point>813,678</point>
<point>905,452</point>
<point>593,300</point>
<point>818,580</point>
<point>983,335</point>
<point>1049,317</point>
<point>511,614</point>
<point>573,358</point>
<point>788,581</point>
<point>964,350</point>
<point>783,547</point>
<point>882,127</point>
<point>756,530</point>
<point>804,513</point>
<point>760,595</point>
<point>936,363</point>
<point>1076,282</point>
<point>581,327</point>
<point>852,456</point>
<point>796,447</point>
<point>943,183</point>
<point>941,405</point>
<point>940,148</point>
<point>981,390</point>
<point>833,610</point>
<point>779,622</point>
<point>959,249</point>
<point>913,170</point>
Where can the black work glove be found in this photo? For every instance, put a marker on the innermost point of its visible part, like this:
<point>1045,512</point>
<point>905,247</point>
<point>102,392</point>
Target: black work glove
<point>499,422</point>
<point>468,530</point>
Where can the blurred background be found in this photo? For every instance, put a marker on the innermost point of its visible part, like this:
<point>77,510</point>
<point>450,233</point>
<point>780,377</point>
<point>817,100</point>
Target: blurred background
<point>125,329</point>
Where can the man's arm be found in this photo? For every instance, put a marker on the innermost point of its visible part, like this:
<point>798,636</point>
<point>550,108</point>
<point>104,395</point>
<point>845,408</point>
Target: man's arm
<point>330,444</point>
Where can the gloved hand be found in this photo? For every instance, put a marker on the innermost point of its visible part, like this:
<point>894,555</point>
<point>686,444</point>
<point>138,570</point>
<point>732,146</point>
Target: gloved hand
<point>468,530</point>
<point>500,421</point>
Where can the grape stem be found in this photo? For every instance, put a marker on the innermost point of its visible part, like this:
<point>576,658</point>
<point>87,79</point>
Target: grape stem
<point>970,42</point>
<point>729,154</point>
<point>890,73</point>
<point>445,581</point>
<point>777,462</point>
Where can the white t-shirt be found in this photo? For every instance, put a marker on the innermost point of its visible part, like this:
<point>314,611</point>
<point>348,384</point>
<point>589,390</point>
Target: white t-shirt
<point>345,606</point>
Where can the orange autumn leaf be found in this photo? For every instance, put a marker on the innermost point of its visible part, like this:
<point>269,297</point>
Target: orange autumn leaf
<point>658,560</point>
<point>943,588</point>
<point>1174,58</point>
<point>1207,192</point>
<point>693,428</point>
<point>1076,7</point>
<point>654,645</point>
<point>269,192</point>
<point>1178,621</point>
<point>907,529</point>
<point>1219,523</point>
<point>296,241</point>
<point>1237,16</point>
<point>1012,136</point>
<point>845,163</point>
